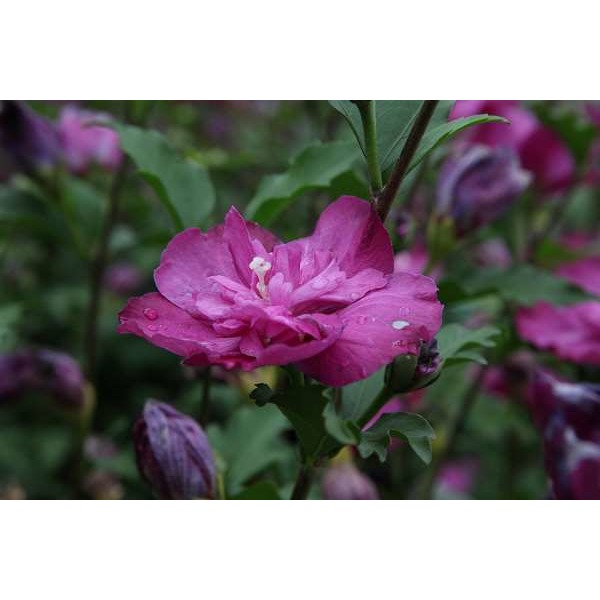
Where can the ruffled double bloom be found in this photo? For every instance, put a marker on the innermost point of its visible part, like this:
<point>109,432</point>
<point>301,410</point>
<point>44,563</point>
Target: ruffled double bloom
<point>329,303</point>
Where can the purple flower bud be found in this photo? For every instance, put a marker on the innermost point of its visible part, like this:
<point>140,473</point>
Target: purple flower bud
<point>123,279</point>
<point>572,463</point>
<point>173,453</point>
<point>29,139</point>
<point>429,361</point>
<point>346,482</point>
<point>44,371</point>
<point>476,186</point>
<point>569,414</point>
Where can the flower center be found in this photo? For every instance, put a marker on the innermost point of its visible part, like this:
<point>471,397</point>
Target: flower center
<point>260,266</point>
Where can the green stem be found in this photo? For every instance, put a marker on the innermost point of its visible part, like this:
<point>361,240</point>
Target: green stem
<point>384,395</point>
<point>387,196</point>
<point>303,483</point>
<point>98,268</point>
<point>369,123</point>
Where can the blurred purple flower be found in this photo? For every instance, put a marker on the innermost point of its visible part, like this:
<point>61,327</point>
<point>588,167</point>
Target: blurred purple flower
<point>44,371</point>
<point>569,416</point>
<point>29,139</point>
<point>83,144</point>
<point>476,186</point>
<point>123,279</point>
<point>457,477</point>
<point>538,147</point>
<point>584,273</point>
<point>493,253</point>
<point>570,332</point>
<point>173,454</point>
<point>345,482</point>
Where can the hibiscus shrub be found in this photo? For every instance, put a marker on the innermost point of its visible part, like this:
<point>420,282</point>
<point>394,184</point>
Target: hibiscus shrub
<point>343,300</point>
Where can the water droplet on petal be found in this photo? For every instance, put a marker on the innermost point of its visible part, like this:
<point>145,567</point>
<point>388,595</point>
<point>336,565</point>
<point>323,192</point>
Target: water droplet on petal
<point>150,314</point>
<point>400,324</point>
<point>362,319</point>
<point>152,327</point>
<point>354,296</point>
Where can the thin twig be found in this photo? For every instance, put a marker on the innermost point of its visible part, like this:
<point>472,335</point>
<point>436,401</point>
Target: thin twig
<point>98,268</point>
<point>384,202</point>
<point>303,482</point>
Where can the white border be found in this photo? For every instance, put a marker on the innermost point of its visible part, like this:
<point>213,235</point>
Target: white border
<point>289,50</point>
<point>299,550</point>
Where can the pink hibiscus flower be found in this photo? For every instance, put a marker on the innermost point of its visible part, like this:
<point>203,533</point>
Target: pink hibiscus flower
<point>570,332</point>
<point>329,303</point>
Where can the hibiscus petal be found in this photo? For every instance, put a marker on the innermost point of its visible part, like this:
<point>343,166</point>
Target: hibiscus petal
<point>245,241</point>
<point>351,230</point>
<point>379,327</point>
<point>183,276</point>
<point>165,325</point>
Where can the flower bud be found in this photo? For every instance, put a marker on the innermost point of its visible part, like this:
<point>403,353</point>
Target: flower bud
<point>28,138</point>
<point>569,414</point>
<point>345,482</point>
<point>173,453</point>
<point>476,186</point>
<point>44,371</point>
<point>428,363</point>
<point>409,372</point>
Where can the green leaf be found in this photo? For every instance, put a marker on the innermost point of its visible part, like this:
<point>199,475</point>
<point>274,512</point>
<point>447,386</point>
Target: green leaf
<point>343,430</point>
<point>523,284</point>
<point>316,167</point>
<point>394,121</point>
<point>183,186</point>
<point>393,118</point>
<point>303,407</point>
<point>250,443</point>
<point>440,134</point>
<point>457,343</point>
<point>358,396</point>
<point>84,205</point>
<point>263,490</point>
<point>10,316</point>
<point>412,427</point>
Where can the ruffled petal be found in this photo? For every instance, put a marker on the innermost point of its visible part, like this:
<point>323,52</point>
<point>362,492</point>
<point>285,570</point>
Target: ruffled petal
<point>382,325</point>
<point>186,265</point>
<point>351,230</point>
<point>165,325</point>
<point>245,240</point>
